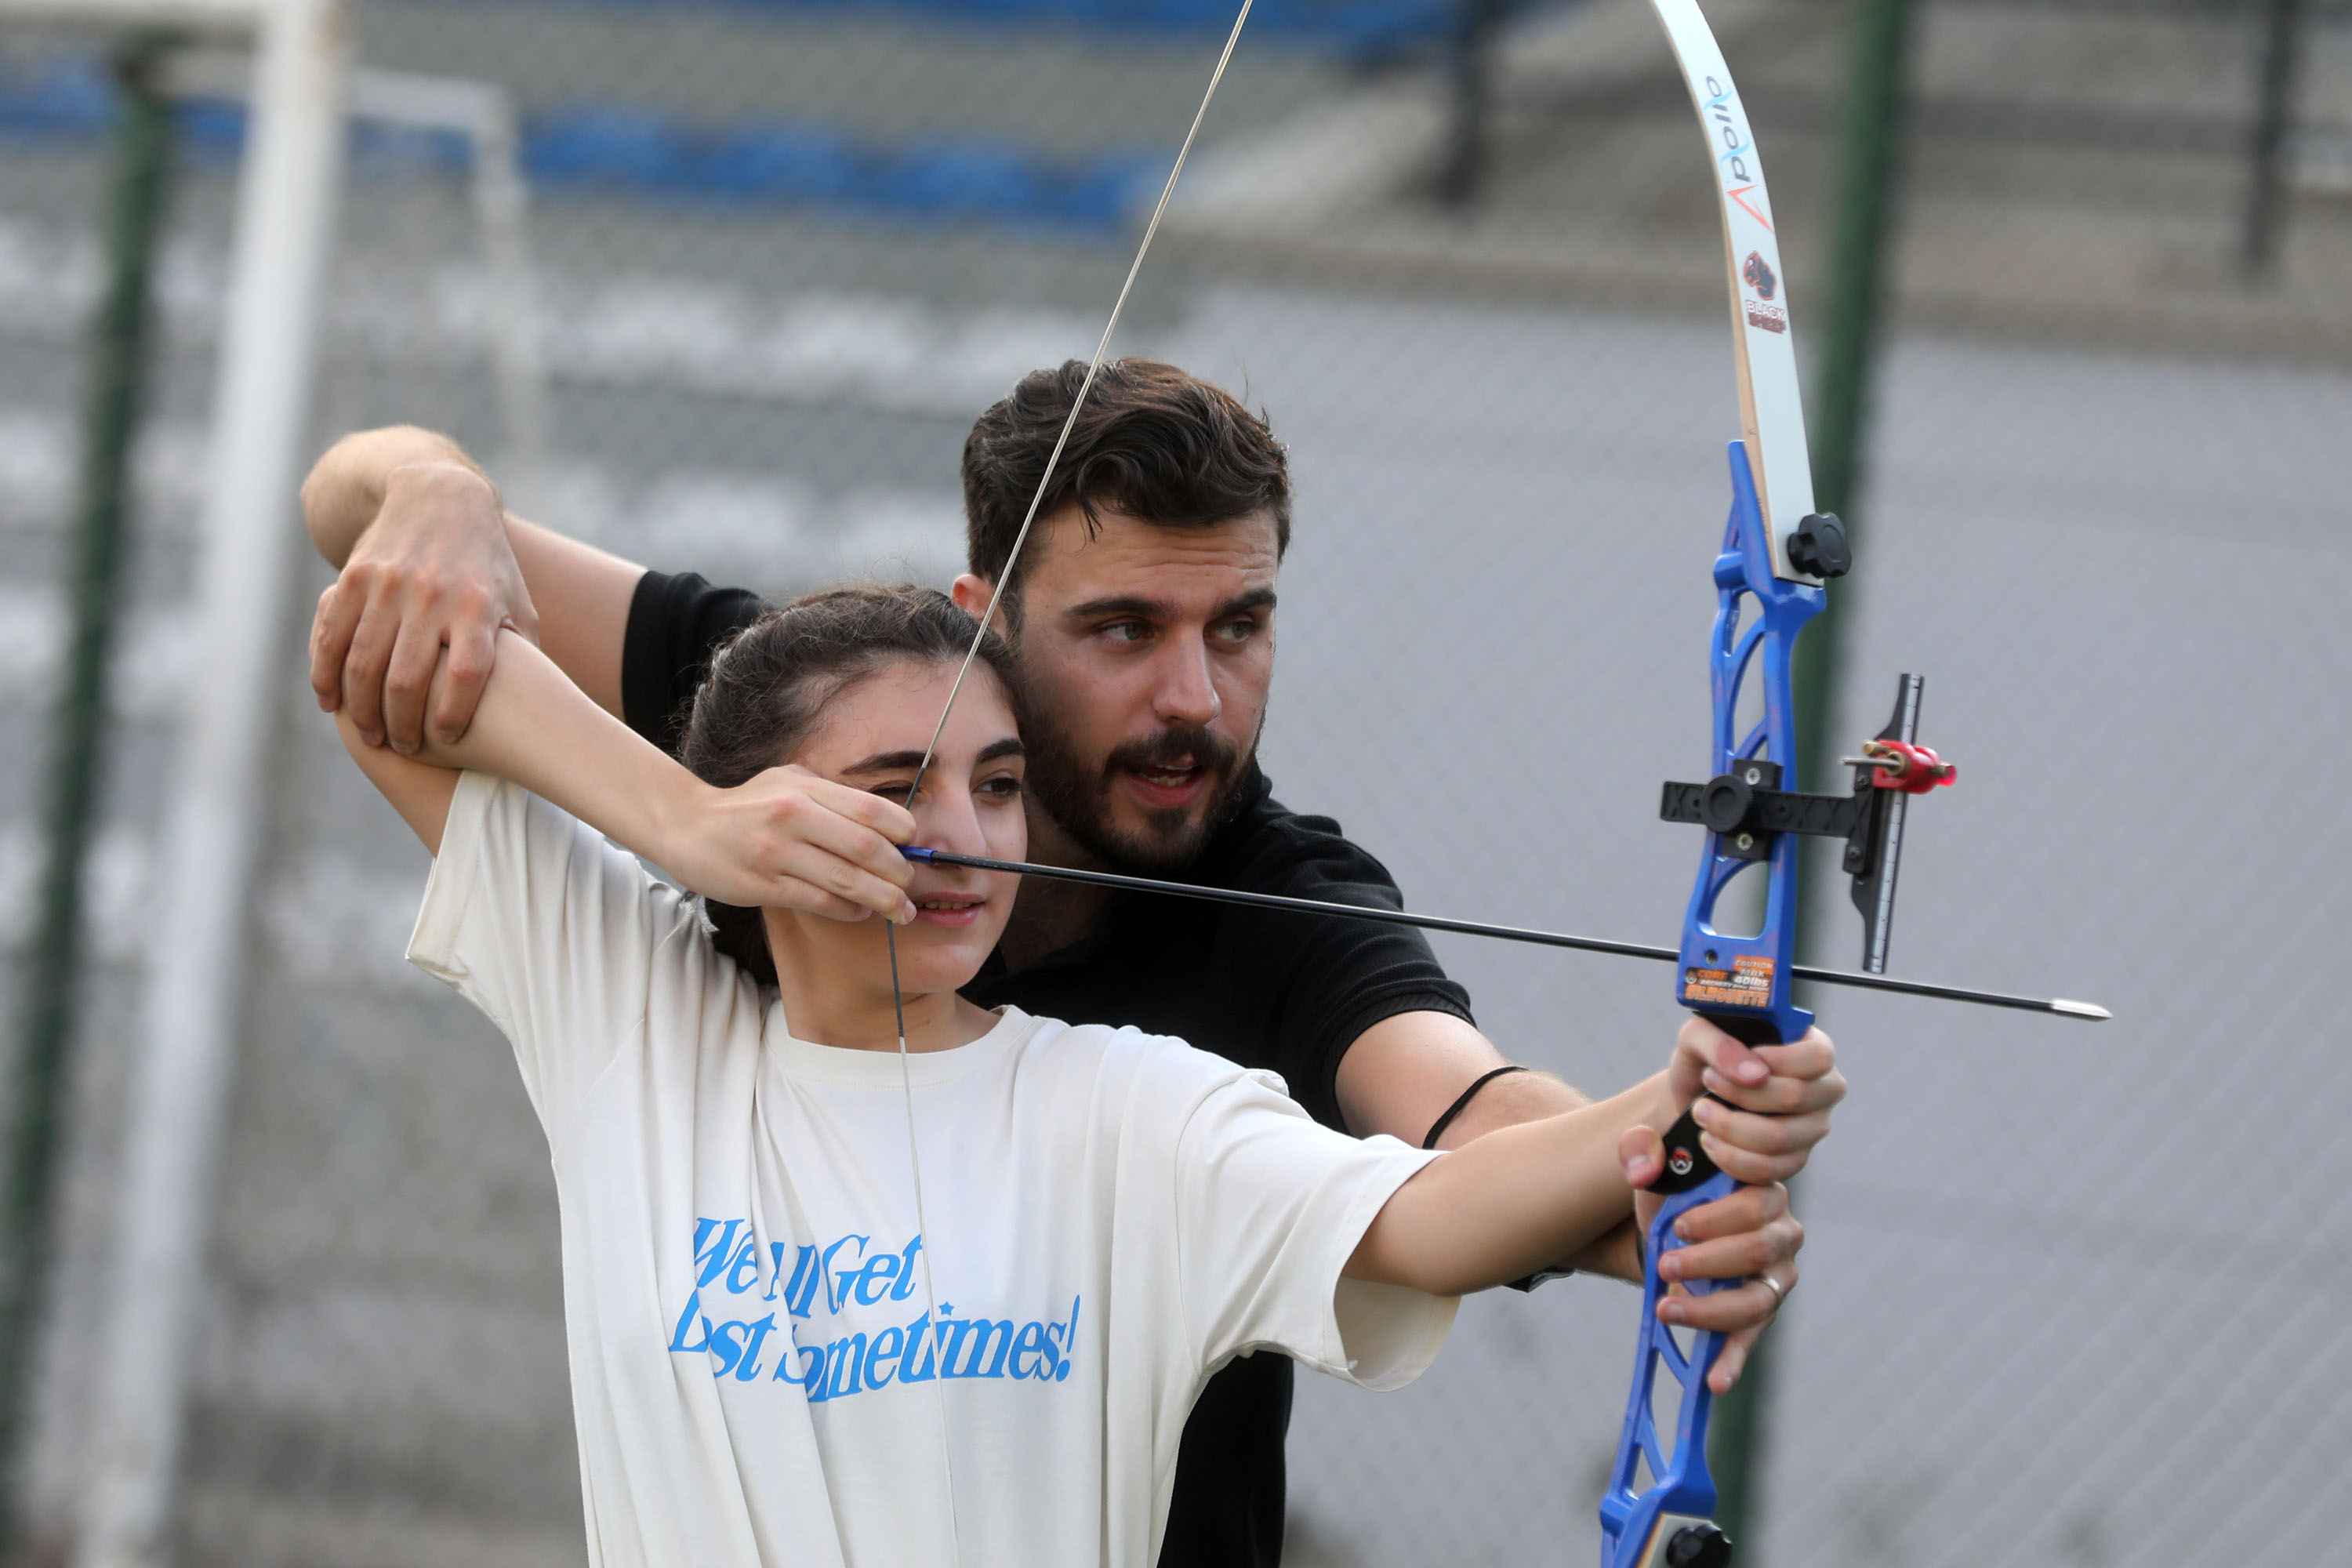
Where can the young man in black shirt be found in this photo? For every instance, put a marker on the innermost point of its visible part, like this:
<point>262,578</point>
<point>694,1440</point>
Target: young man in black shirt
<point>1141,611</point>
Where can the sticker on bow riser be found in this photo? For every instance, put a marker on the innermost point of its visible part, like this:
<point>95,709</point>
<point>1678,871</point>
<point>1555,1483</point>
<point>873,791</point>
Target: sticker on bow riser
<point>1746,983</point>
<point>1772,318</point>
<point>1759,273</point>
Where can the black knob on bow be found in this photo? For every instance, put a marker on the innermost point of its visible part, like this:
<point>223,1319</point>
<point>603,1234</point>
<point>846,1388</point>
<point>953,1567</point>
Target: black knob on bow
<point>1725,805</point>
<point>1818,548</point>
<point>1699,1546</point>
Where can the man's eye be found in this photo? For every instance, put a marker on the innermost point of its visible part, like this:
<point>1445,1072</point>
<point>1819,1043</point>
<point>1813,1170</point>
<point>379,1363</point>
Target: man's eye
<point>1127,631</point>
<point>1237,631</point>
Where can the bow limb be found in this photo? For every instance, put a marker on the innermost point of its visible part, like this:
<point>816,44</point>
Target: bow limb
<point>1763,350</point>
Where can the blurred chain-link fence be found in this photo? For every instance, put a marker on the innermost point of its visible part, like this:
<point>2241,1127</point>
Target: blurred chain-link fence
<point>2070,1295</point>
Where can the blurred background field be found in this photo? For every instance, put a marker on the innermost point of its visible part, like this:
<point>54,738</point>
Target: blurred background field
<point>2071,1297</point>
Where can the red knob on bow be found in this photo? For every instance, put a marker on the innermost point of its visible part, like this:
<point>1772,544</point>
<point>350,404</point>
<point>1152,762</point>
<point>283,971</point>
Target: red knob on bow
<point>1899,764</point>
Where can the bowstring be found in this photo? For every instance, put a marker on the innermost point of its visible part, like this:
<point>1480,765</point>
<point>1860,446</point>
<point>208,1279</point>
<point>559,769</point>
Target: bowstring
<point>923,1231</point>
<point>979,637</point>
<point>1077,404</point>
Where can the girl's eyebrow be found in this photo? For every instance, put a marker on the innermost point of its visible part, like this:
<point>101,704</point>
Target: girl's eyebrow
<point>890,762</point>
<point>885,762</point>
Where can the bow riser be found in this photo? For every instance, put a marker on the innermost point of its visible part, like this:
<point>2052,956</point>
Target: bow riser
<point>1742,982</point>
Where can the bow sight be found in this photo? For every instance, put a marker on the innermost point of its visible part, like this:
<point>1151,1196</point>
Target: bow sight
<point>1747,810</point>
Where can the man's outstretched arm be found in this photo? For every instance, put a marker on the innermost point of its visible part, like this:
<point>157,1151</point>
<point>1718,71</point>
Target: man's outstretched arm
<point>432,567</point>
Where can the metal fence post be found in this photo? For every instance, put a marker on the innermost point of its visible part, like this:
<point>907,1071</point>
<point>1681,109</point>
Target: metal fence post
<point>110,421</point>
<point>1471,70</point>
<point>2273,114</point>
<point>196,981</point>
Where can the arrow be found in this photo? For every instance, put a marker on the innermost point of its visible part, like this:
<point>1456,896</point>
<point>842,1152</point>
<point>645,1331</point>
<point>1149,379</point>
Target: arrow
<point>2060,1005</point>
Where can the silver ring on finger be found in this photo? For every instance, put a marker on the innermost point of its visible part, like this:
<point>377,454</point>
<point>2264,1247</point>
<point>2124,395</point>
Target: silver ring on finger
<point>1779,1292</point>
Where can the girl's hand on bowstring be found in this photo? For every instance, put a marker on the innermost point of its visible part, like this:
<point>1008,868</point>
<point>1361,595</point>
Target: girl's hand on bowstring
<point>789,839</point>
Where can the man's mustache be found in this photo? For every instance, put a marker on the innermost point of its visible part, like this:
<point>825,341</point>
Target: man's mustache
<point>1174,749</point>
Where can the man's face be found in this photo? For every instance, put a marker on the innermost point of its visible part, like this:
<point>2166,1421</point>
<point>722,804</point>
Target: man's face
<point>1145,654</point>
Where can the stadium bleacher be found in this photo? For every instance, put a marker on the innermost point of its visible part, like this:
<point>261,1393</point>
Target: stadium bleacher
<point>661,155</point>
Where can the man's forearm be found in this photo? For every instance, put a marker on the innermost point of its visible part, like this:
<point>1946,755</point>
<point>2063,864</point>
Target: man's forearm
<point>345,488</point>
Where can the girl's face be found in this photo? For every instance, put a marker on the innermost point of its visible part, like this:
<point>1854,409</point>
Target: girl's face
<point>871,737</point>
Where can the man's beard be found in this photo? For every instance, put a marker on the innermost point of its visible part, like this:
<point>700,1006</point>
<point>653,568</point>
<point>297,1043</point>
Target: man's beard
<point>1079,796</point>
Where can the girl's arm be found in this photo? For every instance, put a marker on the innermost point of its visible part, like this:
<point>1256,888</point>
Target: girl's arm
<point>1505,1204</point>
<point>537,729</point>
<point>742,846</point>
<point>1513,1200</point>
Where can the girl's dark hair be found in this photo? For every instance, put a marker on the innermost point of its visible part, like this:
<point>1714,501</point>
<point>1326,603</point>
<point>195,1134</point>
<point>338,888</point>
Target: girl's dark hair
<point>767,688</point>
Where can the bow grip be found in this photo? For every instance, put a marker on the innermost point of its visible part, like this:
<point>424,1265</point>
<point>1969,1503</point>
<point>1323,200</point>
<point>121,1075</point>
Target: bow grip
<point>1687,1164</point>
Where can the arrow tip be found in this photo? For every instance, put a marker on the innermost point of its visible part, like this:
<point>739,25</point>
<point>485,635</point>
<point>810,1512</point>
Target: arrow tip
<point>2079,1009</point>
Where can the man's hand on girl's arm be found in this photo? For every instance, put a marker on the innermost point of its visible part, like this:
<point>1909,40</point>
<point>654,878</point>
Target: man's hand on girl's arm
<point>406,639</point>
<point>432,567</point>
<point>756,843</point>
<point>405,635</point>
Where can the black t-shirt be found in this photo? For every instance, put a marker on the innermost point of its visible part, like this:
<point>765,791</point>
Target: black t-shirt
<point>1263,987</point>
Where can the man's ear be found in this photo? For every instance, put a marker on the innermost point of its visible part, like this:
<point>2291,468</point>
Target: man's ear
<point>972,594</point>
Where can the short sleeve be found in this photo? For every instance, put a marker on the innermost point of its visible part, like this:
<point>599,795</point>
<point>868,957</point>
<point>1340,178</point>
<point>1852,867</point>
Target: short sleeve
<point>1270,1208</point>
<point>1329,980</point>
<point>675,621</point>
<point>550,929</point>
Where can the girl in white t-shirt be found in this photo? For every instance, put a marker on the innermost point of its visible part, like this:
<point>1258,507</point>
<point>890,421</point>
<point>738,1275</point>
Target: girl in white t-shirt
<point>832,1301</point>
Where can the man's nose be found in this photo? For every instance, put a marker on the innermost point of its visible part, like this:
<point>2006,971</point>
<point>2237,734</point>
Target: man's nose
<point>1187,694</point>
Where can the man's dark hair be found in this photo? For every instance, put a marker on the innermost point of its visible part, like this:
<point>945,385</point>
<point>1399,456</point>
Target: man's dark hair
<point>767,688</point>
<point>1152,442</point>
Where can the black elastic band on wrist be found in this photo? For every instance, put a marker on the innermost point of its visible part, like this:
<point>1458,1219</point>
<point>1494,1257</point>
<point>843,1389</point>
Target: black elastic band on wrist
<point>1437,1128</point>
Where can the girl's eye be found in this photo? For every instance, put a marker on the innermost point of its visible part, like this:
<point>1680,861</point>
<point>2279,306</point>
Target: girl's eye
<point>901,792</point>
<point>1001,789</point>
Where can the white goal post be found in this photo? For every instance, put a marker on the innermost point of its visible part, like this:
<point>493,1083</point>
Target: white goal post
<point>482,115</point>
<point>181,1073</point>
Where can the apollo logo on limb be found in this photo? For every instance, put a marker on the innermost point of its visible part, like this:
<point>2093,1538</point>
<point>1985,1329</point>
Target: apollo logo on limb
<point>842,1276</point>
<point>1721,110</point>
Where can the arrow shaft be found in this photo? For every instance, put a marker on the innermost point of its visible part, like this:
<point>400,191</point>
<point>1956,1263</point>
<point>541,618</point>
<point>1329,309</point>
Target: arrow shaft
<point>2060,1006</point>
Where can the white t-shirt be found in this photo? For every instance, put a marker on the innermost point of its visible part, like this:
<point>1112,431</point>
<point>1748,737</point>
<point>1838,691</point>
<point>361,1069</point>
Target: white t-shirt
<point>755,1366</point>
